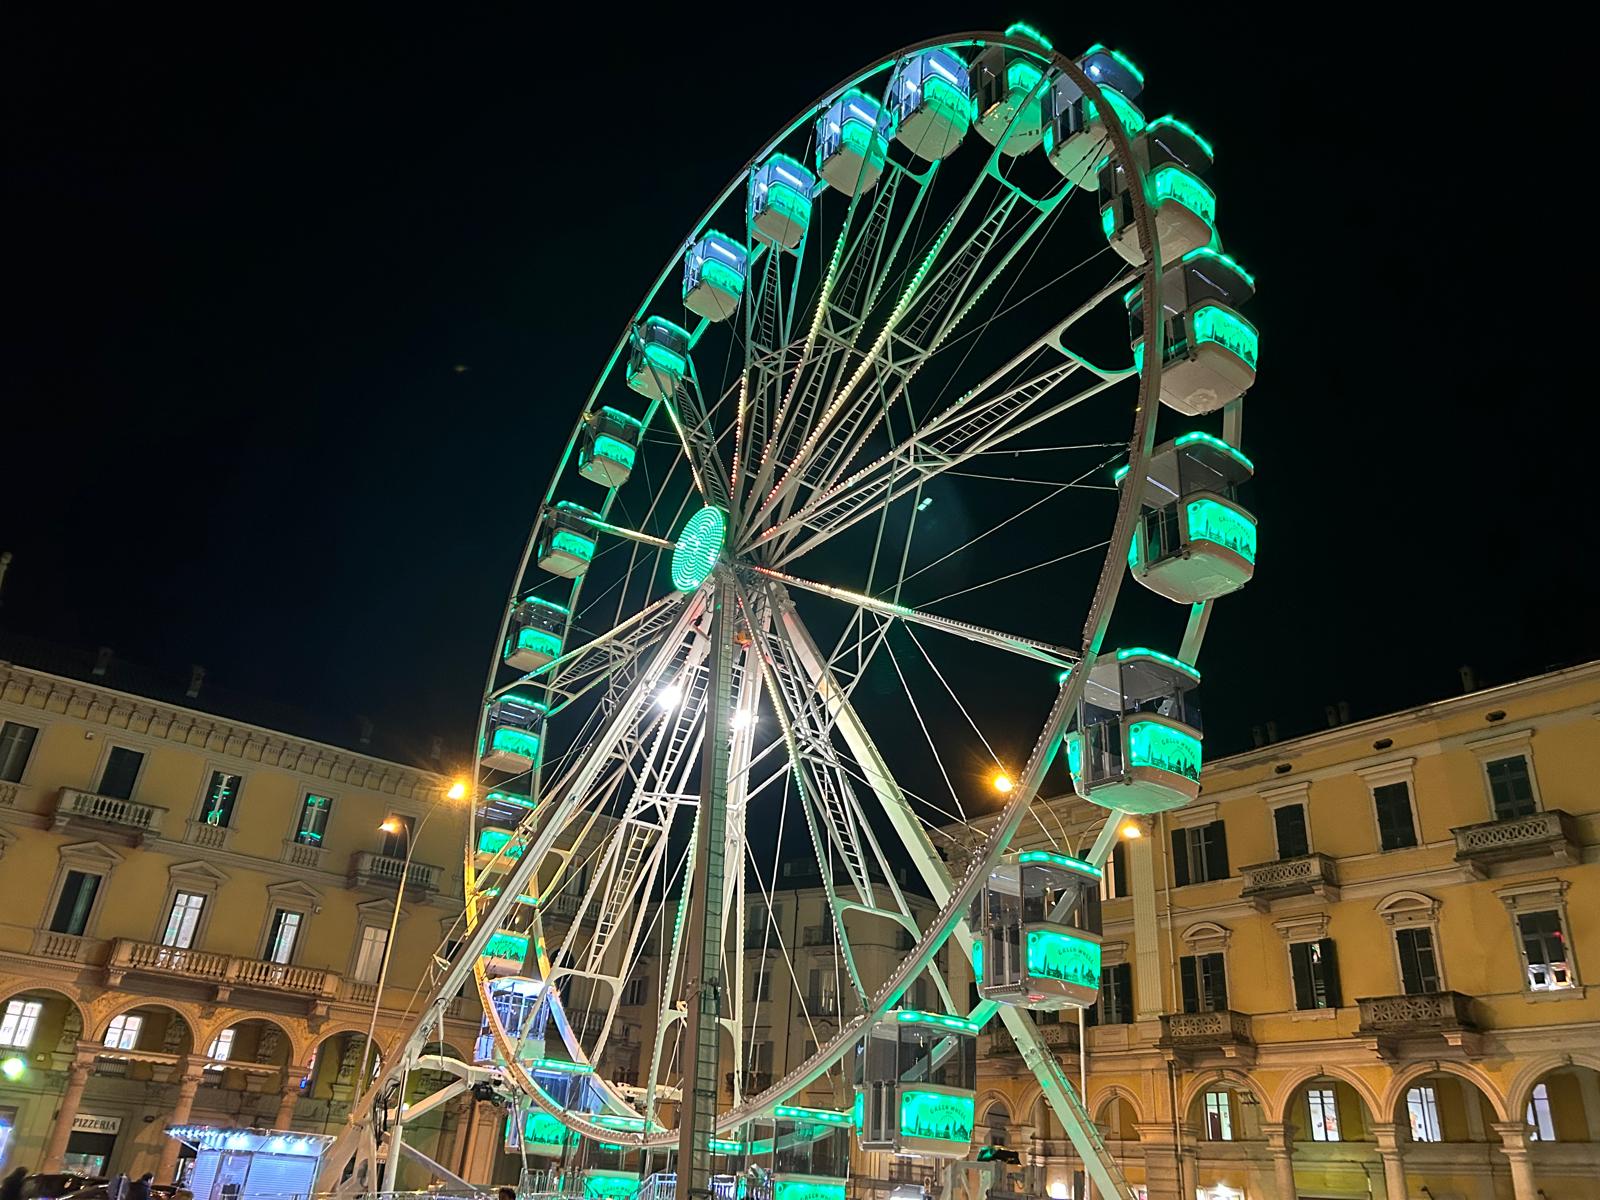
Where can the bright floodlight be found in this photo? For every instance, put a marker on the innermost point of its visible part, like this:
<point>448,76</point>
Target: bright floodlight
<point>670,696</point>
<point>1130,829</point>
<point>457,791</point>
<point>13,1068</point>
<point>1002,783</point>
<point>739,720</point>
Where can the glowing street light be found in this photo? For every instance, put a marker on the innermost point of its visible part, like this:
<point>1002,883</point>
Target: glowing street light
<point>739,720</point>
<point>1131,830</point>
<point>670,696</point>
<point>458,790</point>
<point>1002,783</point>
<point>13,1068</point>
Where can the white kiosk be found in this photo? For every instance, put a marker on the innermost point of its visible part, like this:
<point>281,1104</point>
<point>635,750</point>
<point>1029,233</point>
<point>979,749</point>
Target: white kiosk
<point>236,1164</point>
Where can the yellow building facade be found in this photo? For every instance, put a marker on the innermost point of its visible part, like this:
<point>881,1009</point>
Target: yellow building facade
<point>1365,963</point>
<point>194,914</point>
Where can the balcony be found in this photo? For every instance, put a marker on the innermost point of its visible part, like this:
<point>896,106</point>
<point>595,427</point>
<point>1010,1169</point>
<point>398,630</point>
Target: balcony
<point>108,812</point>
<point>817,935</point>
<point>1420,1022</point>
<point>1549,838</point>
<point>1188,1036</point>
<point>379,870</point>
<point>1307,875</point>
<point>1061,1037</point>
<point>750,1082</point>
<point>224,973</point>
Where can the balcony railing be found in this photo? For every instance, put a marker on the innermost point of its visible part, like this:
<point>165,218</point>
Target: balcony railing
<point>1223,1030</point>
<point>1309,874</point>
<point>137,818</point>
<point>752,1081</point>
<point>1426,1012</point>
<point>367,868</point>
<point>1061,1035</point>
<point>223,971</point>
<point>817,935</point>
<point>1551,834</point>
<point>65,946</point>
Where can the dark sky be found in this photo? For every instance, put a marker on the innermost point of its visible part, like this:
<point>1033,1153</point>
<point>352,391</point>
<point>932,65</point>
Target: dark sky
<point>244,258</point>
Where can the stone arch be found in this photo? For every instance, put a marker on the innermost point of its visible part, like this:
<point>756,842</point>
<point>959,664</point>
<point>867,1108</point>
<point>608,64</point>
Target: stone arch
<point>989,1097</point>
<point>1407,903</point>
<point>1028,1100</point>
<point>122,1004</point>
<point>1114,1091</point>
<point>1479,1079</point>
<point>239,1016</point>
<point>77,1011</point>
<point>13,986</point>
<point>1238,1081</point>
<point>1522,1084</point>
<point>1277,1105</point>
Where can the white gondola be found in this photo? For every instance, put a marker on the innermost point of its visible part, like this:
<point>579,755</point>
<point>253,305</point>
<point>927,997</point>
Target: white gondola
<point>916,1079</point>
<point>1076,139</point>
<point>1038,937</point>
<point>566,539</point>
<point>608,447</point>
<point>853,142</point>
<point>1172,157</point>
<point>1208,350</point>
<point>658,358</point>
<point>714,272</point>
<point>1137,743</point>
<point>534,636</point>
<point>512,732</point>
<point>778,207</point>
<point>931,97</point>
<point>1194,540</point>
<point>1009,89</point>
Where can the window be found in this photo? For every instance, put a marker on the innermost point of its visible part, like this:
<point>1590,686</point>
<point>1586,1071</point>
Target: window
<point>283,935</point>
<point>1289,820</point>
<point>1200,853</point>
<point>76,903</point>
<point>313,819</point>
<point>633,993</point>
<point>8,1122</point>
<point>221,1048</point>
<point>1422,1106</point>
<point>16,747</point>
<point>369,959</point>
<point>1205,985</point>
<point>1419,970</point>
<point>1219,1120</point>
<point>121,770</point>
<point>1510,787</point>
<point>763,986</point>
<point>1114,881</point>
<point>123,1032</point>
<point>1540,1126</point>
<point>1324,1115</point>
<point>397,836</point>
<point>221,793</point>
<point>1115,1006</point>
<point>183,920</point>
<point>21,1021</point>
<point>1316,974</point>
<point>1395,828</point>
<point>1544,948</point>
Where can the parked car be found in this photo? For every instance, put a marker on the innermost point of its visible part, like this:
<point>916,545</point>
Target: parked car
<point>58,1184</point>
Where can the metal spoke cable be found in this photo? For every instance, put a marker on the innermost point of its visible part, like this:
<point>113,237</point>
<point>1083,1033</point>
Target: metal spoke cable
<point>1035,567</point>
<point>960,808</point>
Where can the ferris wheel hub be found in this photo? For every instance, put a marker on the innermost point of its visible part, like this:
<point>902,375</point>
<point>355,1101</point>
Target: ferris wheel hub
<point>699,547</point>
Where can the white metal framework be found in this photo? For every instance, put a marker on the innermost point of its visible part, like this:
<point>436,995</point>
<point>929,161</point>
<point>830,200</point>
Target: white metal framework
<point>898,426</point>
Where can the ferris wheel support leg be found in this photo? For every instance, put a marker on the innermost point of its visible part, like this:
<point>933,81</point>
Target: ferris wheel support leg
<point>1097,1160</point>
<point>702,1046</point>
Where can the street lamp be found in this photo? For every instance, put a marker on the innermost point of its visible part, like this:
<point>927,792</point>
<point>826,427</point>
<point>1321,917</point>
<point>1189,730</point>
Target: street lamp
<point>393,825</point>
<point>1002,783</point>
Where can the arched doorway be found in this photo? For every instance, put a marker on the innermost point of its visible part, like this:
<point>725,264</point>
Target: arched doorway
<point>1334,1148</point>
<point>328,1080</point>
<point>1448,1139</point>
<point>1562,1113</point>
<point>39,1033</point>
<point>142,1052</point>
<point>1225,1111</point>
<point>248,1076</point>
<point>997,1123</point>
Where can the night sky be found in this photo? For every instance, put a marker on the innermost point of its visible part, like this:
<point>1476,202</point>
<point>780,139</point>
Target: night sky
<point>245,262</point>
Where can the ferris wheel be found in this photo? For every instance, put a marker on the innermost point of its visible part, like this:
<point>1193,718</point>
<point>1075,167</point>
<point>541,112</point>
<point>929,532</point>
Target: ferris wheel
<point>856,491</point>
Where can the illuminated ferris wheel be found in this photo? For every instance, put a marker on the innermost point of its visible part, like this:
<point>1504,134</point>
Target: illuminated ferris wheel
<point>957,353</point>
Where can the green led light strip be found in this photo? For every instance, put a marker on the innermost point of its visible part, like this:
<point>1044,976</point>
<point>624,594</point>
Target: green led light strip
<point>1146,652</point>
<point>1058,860</point>
<point>699,547</point>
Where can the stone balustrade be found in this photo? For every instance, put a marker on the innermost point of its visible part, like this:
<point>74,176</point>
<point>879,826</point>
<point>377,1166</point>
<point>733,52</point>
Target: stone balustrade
<point>1549,835</point>
<point>223,971</point>
<point>142,819</point>
<point>369,869</point>
<point>1308,874</point>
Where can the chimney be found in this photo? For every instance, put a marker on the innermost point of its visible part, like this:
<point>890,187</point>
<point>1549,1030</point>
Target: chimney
<point>1344,712</point>
<point>102,660</point>
<point>366,730</point>
<point>436,751</point>
<point>1469,681</point>
<point>1272,731</point>
<point>1258,736</point>
<point>5,562</point>
<point>1332,714</point>
<point>197,676</point>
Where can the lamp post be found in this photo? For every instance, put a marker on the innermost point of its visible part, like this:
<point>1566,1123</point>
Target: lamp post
<point>457,791</point>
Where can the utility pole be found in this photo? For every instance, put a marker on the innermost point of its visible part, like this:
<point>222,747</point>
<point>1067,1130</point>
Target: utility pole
<point>702,1043</point>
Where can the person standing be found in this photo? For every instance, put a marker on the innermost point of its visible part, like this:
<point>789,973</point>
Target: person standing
<point>140,1190</point>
